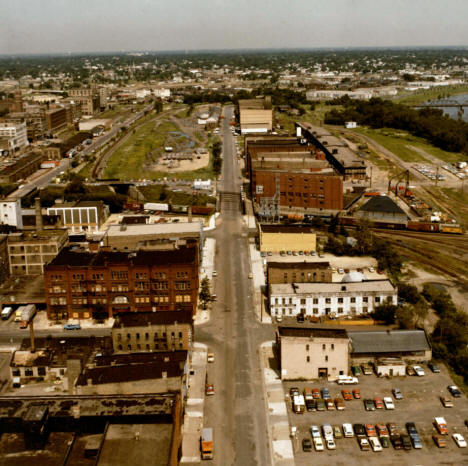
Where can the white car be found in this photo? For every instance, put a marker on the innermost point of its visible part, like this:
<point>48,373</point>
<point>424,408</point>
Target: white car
<point>419,371</point>
<point>348,430</point>
<point>315,432</point>
<point>459,440</point>
<point>210,357</point>
<point>330,443</point>
<point>318,444</point>
<point>371,269</point>
<point>375,444</point>
<point>388,402</point>
<point>327,431</point>
<point>341,271</point>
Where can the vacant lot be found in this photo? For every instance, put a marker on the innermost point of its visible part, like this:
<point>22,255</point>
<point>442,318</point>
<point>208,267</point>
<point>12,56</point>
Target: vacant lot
<point>420,405</point>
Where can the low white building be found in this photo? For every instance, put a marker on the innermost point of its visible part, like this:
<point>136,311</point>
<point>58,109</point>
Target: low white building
<point>11,213</point>
<point>348,298</point>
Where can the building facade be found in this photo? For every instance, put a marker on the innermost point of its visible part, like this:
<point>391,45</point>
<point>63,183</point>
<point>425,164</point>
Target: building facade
<point>330,299</point>
<point>89,99</point>
<point>22,167</point>
<point>84,216</point>
<point>83,285</point>
<point>16,134</point>
<point>298,272</point>
<point>255,115</point>
<point>11,213</point>
<point>312,353</point>
<point>29,251</point>
<point>153,331</point>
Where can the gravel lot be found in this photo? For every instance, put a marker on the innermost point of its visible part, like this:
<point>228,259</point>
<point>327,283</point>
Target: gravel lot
<point>420,405</point>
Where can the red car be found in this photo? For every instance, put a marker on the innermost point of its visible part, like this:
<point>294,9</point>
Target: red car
<point>370,430</point>
<point>315,393</point>
<point>347,395</point>
<point>209,389</point>
<point>378,403</point>
<point>382,430</point>
<point>357,393</point>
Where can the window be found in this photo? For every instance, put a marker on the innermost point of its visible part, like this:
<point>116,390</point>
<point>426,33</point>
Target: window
<point>326,358</point>
<point>377,299</point>
<point>180,334</point>
<point>328,300</point>
<point>146,336</point>
<point>340,300</point>
<point>340,310</point>
<point>365,299</point>
<point>323,347</point>
<point>137,336</point>
<point>315,310</point>
<point>315,301</point>
<point>15,372</point>
<point>353,300</point>
<point>333,346</point>
<point>41,371</point>
<point>303,301</point>
<point>307,347</point>
<point>308,358</point>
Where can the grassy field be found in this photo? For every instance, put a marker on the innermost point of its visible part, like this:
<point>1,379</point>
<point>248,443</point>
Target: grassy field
<point>312,116</point>
<point>159,193</point>
<point>458,202</point>
<point>399,142</point>
<point>442,92</point>
<point>129,160</point>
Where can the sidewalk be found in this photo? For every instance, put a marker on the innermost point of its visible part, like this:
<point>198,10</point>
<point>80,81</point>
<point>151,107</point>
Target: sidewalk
<point>281,446</point>
<point>212,222</point>
<point>259,284</point>
<point>206,270</point>
<point>193,417</point>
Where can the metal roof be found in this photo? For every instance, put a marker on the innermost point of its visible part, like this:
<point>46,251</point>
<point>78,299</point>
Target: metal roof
<point>381,204</point>
<point>392,341</point>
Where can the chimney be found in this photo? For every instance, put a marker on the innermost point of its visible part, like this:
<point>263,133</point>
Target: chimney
<point>31,336</point>
<point>37,205</point>
<point>190,214</point>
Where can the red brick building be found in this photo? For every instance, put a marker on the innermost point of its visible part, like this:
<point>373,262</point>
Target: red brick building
<point>83,285</point>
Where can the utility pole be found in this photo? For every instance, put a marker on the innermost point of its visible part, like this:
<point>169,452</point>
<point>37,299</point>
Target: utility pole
<point>437,175</point>
<point>370,180</point>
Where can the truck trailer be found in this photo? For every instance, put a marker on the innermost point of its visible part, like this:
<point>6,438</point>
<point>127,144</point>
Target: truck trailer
<point>206,443</point>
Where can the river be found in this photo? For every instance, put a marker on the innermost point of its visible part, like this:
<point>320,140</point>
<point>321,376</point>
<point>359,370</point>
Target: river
<point>453,111</point>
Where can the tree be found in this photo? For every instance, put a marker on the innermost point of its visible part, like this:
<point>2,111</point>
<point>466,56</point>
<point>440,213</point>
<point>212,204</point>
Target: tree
<point>205,292</point>
<point>404,317</point>
<point>385,313</point>
<point>409,293</point>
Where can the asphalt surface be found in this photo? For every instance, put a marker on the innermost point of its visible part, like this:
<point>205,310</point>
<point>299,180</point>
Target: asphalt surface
<point>237,410</point>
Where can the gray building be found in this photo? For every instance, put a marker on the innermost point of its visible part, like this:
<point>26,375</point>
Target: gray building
<point>382,209</point>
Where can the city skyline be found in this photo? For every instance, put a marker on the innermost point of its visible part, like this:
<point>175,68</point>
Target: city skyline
<point>215,25</point>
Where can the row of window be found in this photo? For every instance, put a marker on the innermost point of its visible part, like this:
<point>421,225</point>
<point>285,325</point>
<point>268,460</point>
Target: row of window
<point>156,336</point>
<point>352,299</point>
<point>324,347</point>
<point>156,346</point>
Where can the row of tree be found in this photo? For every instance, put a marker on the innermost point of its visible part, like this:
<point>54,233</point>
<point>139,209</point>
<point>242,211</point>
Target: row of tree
<point>217,161</point>
<point>429,123</point>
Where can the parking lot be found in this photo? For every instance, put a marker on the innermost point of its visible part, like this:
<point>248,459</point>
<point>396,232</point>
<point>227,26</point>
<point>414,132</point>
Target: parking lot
<point>420,405</point>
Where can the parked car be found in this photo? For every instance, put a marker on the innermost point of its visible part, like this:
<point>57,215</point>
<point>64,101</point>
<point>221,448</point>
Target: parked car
<point>318,444</point>
<point>406,440</point>
<point>357,393</point>
<point>454,390</point>
<point>410,371</point>
<point>359,430</point>
<point>306,444</point>
<point>337,432</point>
<point>330,405</point>
<point>210,357</point>
<point>340,271</point>
<point>330,443</point>
<point>397,394</point>
<point>316,393</point>
<point>347,395</point>
<point>72,327</point>
<point>366,369</point>
<point>370,430</point>
<point>439,441</point>
<point>459,440</point>
<point>293,391</point>
<point>356,370</point>
<point>311,405</point>
<point>378,403</point>
<point>419,371</point>
<point>382,430</point>
<point>209,389</point>
<point>339,403</point>
<point>388,402</point>
<point>369,405</point>
<point>371,269</point>
<point>327,431</point>
<point>375,444</point>
<point>300,318</point>
<point>446,402</point>
<point>315,431</point>
<point>397,442</point>
<point>364,444</point>
<point>325,394</point>
<point>348,430</point>
<point>385,441</point>
<point>434,368</point>
<point>321,405</point>
<point>392,428</point>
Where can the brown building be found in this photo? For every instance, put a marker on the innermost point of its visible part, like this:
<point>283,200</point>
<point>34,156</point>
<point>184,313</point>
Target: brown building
<point>298,175</point>
<point>255,115</point>
<point>298,272</point>
<point>22,168</point>
<point>153,331</point>
<point>81,285</point>
<point>56,119</point>
<point>88,98</point>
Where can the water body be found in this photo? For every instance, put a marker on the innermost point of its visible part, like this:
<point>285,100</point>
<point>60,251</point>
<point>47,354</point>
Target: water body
<point>453,111</point>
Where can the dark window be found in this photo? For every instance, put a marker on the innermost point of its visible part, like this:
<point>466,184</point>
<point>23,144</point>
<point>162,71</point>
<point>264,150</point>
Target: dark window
<point>41,371</point>
<point>15,372</point>
<point>28,372</point>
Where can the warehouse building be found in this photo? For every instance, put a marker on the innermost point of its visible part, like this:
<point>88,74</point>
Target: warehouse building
<point>255,115</point>
<point>298,272</point>
<point>382,209</point>
<point>330,299</point>
<point>277,238</point>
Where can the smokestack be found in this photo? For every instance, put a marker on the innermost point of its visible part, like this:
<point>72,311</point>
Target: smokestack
<point>37,204</point>
<point>190,214</point>
<point>31,336</point>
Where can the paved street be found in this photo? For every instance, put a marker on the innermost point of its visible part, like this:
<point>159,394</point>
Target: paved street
<point>237,411</point>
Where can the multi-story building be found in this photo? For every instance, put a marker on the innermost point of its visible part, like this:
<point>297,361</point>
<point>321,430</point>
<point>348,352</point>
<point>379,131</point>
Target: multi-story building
<point>81,285</point>
<point>16,134</point>
<point>331,299</point>
<point>312,353</point>
<point>11,212</point>
<point>255,115</point>
<point>29,251</point>
<point>88,98</point>
<point>34,118</point>
<point>21,168</point>
<point>56,119</point>
<point>298,272</point>
<point>153,331</point>
<point>83,216</point>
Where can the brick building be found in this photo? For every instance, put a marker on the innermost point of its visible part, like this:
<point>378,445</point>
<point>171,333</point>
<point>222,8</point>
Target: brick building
<point>88,98</point>
<point>22,167</point>
<point>153,331</point>
<point>81,285</point>
<point>56,119</point>
<point>298,272</point>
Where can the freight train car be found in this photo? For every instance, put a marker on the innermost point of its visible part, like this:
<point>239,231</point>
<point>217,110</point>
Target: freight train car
<point>423,226</point>
<point>450,228</point>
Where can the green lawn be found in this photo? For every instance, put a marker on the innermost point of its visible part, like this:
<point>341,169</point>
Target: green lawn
<point>441,92</point>
<point>129,160</point>
<point>159,193</point>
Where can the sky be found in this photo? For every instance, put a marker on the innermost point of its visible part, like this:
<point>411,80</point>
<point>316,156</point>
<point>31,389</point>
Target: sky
<point>56,26</point>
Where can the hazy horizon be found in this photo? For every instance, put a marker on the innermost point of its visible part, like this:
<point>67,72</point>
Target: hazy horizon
<point>47,27</point>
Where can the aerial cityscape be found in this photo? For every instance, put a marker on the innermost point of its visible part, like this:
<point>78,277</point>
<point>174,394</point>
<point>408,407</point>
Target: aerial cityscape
<point>233,234</point>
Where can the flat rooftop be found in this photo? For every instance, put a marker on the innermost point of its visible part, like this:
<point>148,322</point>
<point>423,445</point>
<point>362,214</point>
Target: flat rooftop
<point>307,332</point>
<point>338,287</point>
<point>34,235</point>
<point>143,319</point>
<point>154,229</point>
<point>136,444</point>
